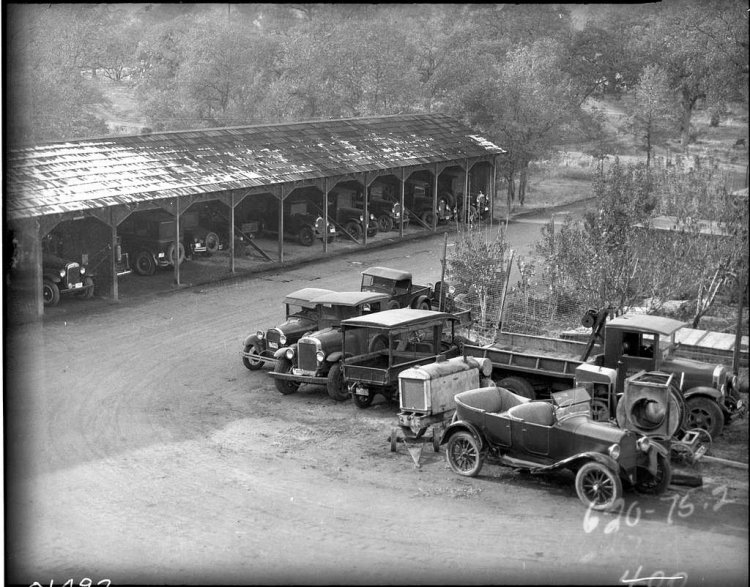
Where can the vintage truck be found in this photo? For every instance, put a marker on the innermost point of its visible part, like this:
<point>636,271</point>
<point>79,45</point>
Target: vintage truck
<point>311,358</point>
<point>398,285</point>
<point>378,347</point>
<point>534,366</point>
<point>301,317</point>
<point>148,239</point>
<point>64,276</point>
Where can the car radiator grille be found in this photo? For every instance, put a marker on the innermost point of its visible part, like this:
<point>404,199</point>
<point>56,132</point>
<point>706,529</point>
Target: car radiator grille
<point>412,394</point>
<point>73,274</point>
<point>306,356</point>
<point>273,337</point>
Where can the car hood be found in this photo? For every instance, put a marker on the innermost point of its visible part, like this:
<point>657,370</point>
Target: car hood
<point>296,325</point>
<point>583,425</point>
<point>696,372</point>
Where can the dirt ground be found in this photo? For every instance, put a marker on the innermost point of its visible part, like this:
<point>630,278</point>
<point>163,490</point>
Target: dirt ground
<point>141,451</point>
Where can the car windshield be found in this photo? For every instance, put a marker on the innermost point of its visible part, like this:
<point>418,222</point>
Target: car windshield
<point>572,402</point>
<point>297,311</point>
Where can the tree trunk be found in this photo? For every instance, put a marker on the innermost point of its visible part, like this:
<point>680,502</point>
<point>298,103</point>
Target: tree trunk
<point>687,102</point>
<point>523,176</point>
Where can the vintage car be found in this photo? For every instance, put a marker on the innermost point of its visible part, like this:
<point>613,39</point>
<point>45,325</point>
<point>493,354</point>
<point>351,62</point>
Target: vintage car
<point>303,221</point>
<point>301,318</point>
<point>492,423</point>
<point>479,207</point>
<point>149,241</point>
<point>376,348</point>
<point>63,276</point>
<point>398,285</point>
<point>418,202</point>
<point>311,359</point>
<point>386,208</point>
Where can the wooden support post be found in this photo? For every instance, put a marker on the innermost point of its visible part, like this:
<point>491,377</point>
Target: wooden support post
<point>325,215</point>
<point>113,256</point>
<point>401,200</point>
<point>232,266</point>
<point>366,211</point>
<point>38,269</point>
<point>177,241</point>
<point>433,228</point>
<point>465,212</point>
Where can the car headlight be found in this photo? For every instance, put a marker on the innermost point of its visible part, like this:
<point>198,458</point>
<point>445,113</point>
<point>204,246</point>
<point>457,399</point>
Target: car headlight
<point>62,272</point>
<point>320,356</point>
<point>289,354</point>
<point>82,271</point>
<point>614,451</point>
<point>361,218</point>
<point>451,289</point>
<point>260,334</point>
<point>372,216</point>
<point>643,444</point>
<point>282,339</point>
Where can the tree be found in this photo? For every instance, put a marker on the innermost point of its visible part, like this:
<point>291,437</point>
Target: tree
<point>652,112</point>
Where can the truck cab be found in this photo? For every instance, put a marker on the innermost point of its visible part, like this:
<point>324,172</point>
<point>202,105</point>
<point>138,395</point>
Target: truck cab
<point>398,285</point>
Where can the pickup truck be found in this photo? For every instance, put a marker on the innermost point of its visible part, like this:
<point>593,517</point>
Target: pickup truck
<point>398,285</point>
<point>534,366</point>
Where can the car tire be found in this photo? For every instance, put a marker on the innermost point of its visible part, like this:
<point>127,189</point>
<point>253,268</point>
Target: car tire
<point>519,386</point>
<point>463,454</point>
<point>704,413</point>
<point>423,304</point>
<point>353,229</point>
<point>284,365</point>
<point>598,487</point>
<point>87,293</point>
<point>212,243</point>
<point>385,223</point>
<point>655,484</point>
<point>144,263</point>
<point>171,253</point>
<point>378,343</point>
<point>427,218</point>
<point>306,236</point>
<point>393,305</point>
<point>252,364</point>
<point>363,401</point>
<point>50,293</point>
<point>335,385</point>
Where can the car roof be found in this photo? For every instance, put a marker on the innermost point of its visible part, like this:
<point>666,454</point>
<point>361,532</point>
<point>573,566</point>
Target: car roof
<point>305,295</point>
<point>350,298</point>
<point>387,273</point>
<point>646,323</point>
<point>398,317</point>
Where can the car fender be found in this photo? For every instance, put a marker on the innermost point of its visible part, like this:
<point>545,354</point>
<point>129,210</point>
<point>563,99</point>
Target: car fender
<point>463,425</point>
<point>703,390</point>
<point>603,459</point>
<point>251,340</point>
<point>280,353</point>
<point>52,276</point>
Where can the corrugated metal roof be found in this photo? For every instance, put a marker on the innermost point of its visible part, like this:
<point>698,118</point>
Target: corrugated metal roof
<point>94,173</point>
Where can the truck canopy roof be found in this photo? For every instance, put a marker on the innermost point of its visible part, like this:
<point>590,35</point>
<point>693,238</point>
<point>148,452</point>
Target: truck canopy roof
<point>304,296</point>
<point>647,324</point>
<point>398,317</point>
<point>350,298</point>
<point>387,273</point>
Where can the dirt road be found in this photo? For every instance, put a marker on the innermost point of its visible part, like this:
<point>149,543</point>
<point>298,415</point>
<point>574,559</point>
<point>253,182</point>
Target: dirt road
<point>140,450</point>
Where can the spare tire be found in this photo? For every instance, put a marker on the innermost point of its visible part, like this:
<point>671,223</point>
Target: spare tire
<point>170,253</point>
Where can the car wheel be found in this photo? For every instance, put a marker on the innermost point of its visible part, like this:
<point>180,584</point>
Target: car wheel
<point>353,229</point>
<point>393,305</point>
<point>306,236</point>
<point>87,293</point>
<point>144,263</point>
<point>428,218</point>
<point>363,401</point>
<point>423,304</point>
<point>463,454</point>
<point>598,487</point>
<point>706,414</point>
<point>655,484</point>
<point>50,293</point>
<point>284,365</point>
<point>518,386</point>
<point>212,243</point>
<point>335,384</point>
<point>171,253</point>
<point>251,363</point>
<point>379,343</point>
<point>394,439</point>
<point>385,223</point>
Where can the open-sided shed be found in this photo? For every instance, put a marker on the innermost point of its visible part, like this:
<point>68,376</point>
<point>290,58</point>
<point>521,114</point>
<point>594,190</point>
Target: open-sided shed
<point>109,178</point>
